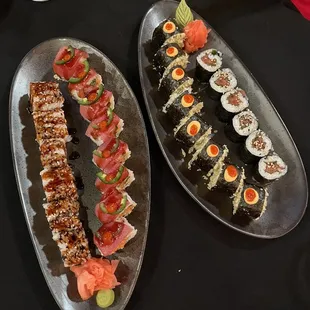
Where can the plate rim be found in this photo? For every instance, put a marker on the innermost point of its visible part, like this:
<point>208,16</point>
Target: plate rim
<point>259,236</point>
<point>18,180</point>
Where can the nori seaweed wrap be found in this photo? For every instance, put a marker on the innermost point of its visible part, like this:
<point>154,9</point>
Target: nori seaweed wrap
<point>251,201</point>
<point>167,32</point>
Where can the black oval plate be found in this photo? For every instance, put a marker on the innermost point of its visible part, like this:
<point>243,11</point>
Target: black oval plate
<point>37,66</point>
<point>288,196</point>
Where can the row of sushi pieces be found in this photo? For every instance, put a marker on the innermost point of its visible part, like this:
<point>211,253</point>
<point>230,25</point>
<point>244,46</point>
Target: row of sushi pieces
<point>62,206</point>
<point>97,107</point>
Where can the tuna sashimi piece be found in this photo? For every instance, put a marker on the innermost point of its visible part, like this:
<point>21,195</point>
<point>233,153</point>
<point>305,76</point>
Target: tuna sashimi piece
<point>114,205</point>
<point>117,180</point>
<point>104,128</point>
<point>113,236</point>
<point>109,157</point>
<point>97,109</point>
<point>72,67</point>
<point>86,86</point>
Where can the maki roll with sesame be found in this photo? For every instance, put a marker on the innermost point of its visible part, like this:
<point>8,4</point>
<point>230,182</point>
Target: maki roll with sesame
<point>176,81</point>
<point>242,125</point>
<point>257,145</point>
<point>250,202</point>
<point>222,81</point>
<point>270,168</point>
<point>208,62</point>
<point>167,32</point>
<point>168,56</point>
<point>232,102</point>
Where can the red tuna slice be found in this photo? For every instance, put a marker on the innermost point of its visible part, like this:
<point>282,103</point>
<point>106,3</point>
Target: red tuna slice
<point>72,67</point>
<point>113,236</point>
<point>88,85</point>
<point>97,109</point>
<point>116,204</point>
<point>104,128</point>
<point>119,179</point>
<point>109,157</point>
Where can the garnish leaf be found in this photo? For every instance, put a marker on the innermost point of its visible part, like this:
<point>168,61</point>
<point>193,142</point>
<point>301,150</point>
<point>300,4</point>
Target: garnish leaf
<point>183,14</point>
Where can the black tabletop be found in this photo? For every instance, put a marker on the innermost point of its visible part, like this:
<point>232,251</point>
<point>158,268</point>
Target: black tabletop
<point>191,261</point>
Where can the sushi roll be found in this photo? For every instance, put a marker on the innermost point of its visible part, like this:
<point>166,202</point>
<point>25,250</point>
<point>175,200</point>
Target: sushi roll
<point>208,62</point>
<point>232,102</point>
<point>190,130</point>
<point>270,168</point>
<point>181,106</point>
<point>176,81</point>
<point>167,32</point>
<point>113,236</point>
<point>222,81</point>
<point>250,202</point>
<point>257,145</point>
<point>113,206</point>
<point>230,178</point>
<point>45,96</point>
<point>242,125</point>
<point>168,56</point>
<point>53,153</point>
<point>59,208</point>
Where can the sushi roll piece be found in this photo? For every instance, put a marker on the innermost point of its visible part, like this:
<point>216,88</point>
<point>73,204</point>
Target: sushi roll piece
<point>230,178</point>
<point>71,64</point>
<point>167,32</point>
<point>103,129</point>
<point>65,222</point>
<point>270,168</point>
<point>232,102</point>
<point>113,206</point>
<point>208,62</point>
<point>119,180</point>
<point>181,106</point>
<point>45,96</point>
<point>176,81</point>
<point>242,125</point>
<point>99,108</point>
<point>257,145</point>
<point>109,157</point>
<point>51,125</point>
<point>53,153</point>
<point>113,236</point>
<point>251,201</point>
<point>222,81</point>
<point>59,184</point>
<point>190,130</point>
<point>61,208</point>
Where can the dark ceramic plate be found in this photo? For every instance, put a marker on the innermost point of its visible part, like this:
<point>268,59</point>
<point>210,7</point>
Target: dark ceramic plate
<point>37,66</point>
<point>288,196</point>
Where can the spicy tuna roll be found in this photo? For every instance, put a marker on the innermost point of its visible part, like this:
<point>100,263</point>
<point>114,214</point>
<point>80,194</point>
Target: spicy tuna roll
<point>232,102</point>
<point>257,145</point>
<point>251,201</point>
<point>270,168</point>
<point>167,32</point>
<point>222,81</point>
<point>242,125</point>
<point>208,62</point>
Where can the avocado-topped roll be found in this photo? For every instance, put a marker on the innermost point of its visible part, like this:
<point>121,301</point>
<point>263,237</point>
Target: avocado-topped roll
<point>222,81</point>
<point>167,32</point>
<point>190,130</point>
<point>168,56</point>
<point>242,125</point>
<point>232,102</point>
<point>270,168</point>
<point>251,201</point>
<point>176,81</point>
<point>208,62</point>
<point>257,145</point>
<point>230,178</point>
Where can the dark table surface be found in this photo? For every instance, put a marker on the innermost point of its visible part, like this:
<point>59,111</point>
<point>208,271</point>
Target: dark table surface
<point>192,261</point>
